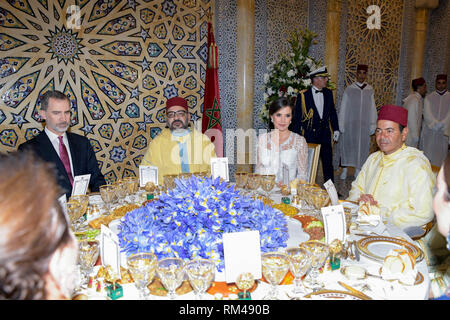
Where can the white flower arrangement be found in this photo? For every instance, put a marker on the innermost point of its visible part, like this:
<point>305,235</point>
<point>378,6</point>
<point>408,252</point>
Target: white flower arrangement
<point>289,75</point>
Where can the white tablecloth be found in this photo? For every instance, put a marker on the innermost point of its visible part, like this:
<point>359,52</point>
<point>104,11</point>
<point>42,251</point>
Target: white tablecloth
<point>375,288</point>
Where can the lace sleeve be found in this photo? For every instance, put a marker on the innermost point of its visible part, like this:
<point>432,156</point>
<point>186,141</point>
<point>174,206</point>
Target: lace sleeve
<point>301,147</point>
<point>259,149</point>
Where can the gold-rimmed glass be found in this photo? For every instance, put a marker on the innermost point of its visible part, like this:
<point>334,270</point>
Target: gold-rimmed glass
<point>74,211</point>
<point>300,262</point>
<point>319,252</point>
<point>201,274</point>
<point>142,267</point>
<point>88,252</point>
<point>275,266</point>
<point>171,272</point>
<point>253,181</point>
<point>83,200</point>
<point>121,190</point>
<point>267,183</point>
<point>108,194</point>
<point>132,184</point>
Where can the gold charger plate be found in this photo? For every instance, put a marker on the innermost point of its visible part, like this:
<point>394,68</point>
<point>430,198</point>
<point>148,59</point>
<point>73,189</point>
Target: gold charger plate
<point>365,246</point>
<point>335,294</point>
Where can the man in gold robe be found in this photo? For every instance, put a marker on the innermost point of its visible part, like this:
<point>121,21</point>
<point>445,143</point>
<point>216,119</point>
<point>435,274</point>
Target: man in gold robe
<point>178,148</point>
<point>397,178</point>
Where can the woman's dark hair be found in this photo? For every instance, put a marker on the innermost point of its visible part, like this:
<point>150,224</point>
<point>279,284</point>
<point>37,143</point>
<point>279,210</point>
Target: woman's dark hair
<point>277,105</point>
<point>32,225</point>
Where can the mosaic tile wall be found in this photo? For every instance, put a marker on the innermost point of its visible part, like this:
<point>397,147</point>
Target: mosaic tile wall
<point>118,66</point>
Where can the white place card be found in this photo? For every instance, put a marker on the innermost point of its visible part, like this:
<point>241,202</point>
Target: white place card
<point>109,249</point>
<point>334,223</point>
<point>219,168</point>
<point>285,172</point>
<point>148,174</point>
<point>331,189</point>
<point>80,184</point>
<point>242,253</point>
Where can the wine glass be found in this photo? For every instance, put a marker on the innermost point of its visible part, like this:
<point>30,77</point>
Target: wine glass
<point>245,281</point>
<point>74,212</point>
<point>121,191</point>
<point>88,251</point>
<point>253,182</point>
<point>108,194</point>
<point>169,181</point>
<point>132,185</point>
<point>300,262</point>
<point>171,273</point>
<point>241,179</point>
<point>200,273</point>
<point>267,183</point>
<point>83,200</point>
<point>275,266</point>
<point>319,253</point>
<point>142,267</point>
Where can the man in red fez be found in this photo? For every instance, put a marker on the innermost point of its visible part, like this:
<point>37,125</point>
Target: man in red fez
<point>357,121</point>
<point>397,179</point>
<point>414,104</point>
<point>434,140</point>
<point>178,148</point>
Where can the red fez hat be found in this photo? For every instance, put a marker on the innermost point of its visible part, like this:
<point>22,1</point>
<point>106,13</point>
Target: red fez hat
<point>362,67</point>
<point>418,82</point>
<point>176,101</point>
<point>394,113</point>
<point>441,77</point>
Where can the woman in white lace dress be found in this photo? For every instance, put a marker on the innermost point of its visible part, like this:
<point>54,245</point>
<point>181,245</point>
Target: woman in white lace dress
<point>280,146</point>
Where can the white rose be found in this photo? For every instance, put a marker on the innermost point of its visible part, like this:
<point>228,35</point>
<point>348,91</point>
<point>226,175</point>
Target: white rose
<point>306,82</point>
<point>266,77</point>
<point>291,73</point>
<point>290,90</point>
<point>270,91</point>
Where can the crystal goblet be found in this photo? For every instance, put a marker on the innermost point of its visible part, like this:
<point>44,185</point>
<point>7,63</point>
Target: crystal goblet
<point>300,262</point>
<point>108,194</point>
<point>319,253</point>
<point>83,200</point>
<point>142,267</point>
<point>88,251</point>
<point>275,266</point>
<point>132,185</point>
<point>74,211</point>
<point>171,272</point>
<point>267,183</point>
<point>201,274</point>
<point>121,191</point>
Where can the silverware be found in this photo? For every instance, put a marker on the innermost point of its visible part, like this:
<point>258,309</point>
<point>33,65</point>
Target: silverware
<point>353,290</point>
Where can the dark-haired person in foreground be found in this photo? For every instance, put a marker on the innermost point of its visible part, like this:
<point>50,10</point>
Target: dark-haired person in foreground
<point>38,251</point>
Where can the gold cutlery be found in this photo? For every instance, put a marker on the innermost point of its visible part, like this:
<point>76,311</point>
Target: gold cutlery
<point>354,291</point>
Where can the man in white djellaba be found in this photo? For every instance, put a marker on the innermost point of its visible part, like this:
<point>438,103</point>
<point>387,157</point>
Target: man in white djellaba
<point>357,122</point>
<point>435,135</point>
<point>414,104</point>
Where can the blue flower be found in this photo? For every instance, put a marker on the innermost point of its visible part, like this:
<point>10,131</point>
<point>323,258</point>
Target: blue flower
<point>189,221</point>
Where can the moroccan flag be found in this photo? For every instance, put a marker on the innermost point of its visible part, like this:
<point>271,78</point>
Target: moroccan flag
<point>211,121</point>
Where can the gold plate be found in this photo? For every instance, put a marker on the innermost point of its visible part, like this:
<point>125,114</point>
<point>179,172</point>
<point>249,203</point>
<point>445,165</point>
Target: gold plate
<point>419,279</point>
<point>336,294</point>
<point>364,245</point>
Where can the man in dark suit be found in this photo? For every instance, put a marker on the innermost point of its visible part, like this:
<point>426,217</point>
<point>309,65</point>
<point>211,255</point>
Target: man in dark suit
<point>70,153</point>
<point>313,115</point>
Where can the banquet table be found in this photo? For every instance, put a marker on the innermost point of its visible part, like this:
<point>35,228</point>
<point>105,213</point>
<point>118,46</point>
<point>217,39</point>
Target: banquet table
<point>374,287</point>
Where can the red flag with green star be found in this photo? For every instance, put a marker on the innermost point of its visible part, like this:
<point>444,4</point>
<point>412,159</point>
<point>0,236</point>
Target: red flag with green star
<point>211,122</point>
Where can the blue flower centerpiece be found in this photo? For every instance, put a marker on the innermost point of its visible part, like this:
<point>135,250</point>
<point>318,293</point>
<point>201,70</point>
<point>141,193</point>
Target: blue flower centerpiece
<point>188,221</point>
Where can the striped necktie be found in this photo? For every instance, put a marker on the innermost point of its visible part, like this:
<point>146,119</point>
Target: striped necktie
<point>64,155</point>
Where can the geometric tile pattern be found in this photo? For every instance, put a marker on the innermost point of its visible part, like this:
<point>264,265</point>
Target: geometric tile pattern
<point>117,60</point>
